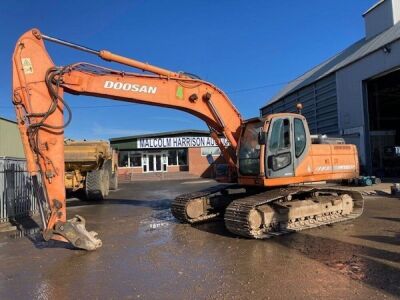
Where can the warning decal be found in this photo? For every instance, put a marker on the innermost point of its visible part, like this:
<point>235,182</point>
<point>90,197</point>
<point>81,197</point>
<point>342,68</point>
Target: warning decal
<point>27,65</point>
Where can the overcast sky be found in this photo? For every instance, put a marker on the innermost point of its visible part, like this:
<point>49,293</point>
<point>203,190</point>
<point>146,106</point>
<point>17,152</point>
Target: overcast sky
<point>247,48</point>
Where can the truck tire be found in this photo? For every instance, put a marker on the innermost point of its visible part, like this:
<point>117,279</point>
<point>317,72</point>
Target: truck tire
<point>113,177</point>
<point>106,182</point>
<point>114,181</point>
<point>95,188</point>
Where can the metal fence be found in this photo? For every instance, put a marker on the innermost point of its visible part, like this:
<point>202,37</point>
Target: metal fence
<point>17,198</point>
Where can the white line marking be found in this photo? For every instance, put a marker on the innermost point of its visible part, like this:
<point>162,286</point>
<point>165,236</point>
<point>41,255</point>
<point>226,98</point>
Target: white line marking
<point>195,182</point>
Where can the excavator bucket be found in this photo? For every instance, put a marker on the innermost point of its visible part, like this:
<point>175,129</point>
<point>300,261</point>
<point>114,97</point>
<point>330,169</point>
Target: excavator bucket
<point>74,230</point>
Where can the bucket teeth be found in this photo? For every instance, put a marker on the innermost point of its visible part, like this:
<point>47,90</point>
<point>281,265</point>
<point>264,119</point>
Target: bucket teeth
<point>78,218</point>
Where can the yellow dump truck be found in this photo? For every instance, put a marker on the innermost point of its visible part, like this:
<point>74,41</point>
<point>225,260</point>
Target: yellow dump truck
<point>90,166</point>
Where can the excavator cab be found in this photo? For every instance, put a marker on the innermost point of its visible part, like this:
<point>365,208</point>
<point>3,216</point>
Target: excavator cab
<point>273,147</point>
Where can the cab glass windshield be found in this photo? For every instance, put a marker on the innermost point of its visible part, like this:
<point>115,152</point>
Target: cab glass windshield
<point>249,151</point>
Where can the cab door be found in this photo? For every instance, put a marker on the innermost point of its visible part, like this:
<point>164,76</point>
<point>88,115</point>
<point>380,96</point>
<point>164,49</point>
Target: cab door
<point>280,148</point>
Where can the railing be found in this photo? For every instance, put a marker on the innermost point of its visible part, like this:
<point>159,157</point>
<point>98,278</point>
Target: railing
<point>17,198</point>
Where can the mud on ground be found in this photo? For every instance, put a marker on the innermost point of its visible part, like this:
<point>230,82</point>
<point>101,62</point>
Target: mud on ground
<point>146,254</point>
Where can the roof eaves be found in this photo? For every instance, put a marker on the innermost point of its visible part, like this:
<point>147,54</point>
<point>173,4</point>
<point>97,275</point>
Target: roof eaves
<point>8,120</point>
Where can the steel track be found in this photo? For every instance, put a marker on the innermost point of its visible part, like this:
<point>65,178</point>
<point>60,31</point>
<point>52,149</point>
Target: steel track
<point>236,214</point>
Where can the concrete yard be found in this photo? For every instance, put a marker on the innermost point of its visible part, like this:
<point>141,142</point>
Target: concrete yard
<point>146,254</point>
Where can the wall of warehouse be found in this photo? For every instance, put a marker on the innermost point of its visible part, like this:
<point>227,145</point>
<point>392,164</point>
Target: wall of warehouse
<point>352,97</point>
<point>319,102</point>
<point>10,141</point>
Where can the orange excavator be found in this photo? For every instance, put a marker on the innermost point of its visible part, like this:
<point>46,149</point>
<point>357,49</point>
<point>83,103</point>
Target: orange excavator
<point>270,159</point>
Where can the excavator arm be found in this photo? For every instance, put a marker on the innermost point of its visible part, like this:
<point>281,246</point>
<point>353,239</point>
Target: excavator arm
<point>38,88</point>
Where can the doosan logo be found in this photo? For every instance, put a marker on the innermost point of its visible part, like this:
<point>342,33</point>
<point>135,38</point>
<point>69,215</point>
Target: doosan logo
<point>125,86</point>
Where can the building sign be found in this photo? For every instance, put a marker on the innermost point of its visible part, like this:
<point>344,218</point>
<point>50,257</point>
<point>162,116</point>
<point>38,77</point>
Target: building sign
<point>178,142</point>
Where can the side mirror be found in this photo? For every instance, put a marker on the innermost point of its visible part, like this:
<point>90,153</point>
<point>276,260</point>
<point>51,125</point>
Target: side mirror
<point>262,137</point>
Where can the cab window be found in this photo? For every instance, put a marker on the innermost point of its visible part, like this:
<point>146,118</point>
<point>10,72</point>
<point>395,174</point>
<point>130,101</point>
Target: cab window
<point>299,137</point>
<point>280,136</point>
<point>249,151</point>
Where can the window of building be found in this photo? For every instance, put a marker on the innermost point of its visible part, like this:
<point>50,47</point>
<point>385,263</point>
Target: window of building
<point>182,157</point>
<point>214,151</point>
<point>123,158</point>
<point>177,157</point>
<point>129,159</point>
<point>172,158</point>
<point>135,159</point>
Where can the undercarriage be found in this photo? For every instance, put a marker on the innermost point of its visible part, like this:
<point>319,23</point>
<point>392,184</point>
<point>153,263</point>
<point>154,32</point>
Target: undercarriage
<point>259,214</point>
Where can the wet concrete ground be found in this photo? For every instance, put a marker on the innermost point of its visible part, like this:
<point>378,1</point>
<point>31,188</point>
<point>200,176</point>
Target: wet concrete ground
<point>146,254</point>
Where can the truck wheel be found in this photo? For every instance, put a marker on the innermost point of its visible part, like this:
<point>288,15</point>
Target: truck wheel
<point>95,188</point>
<point>107,168</point>
<point>106,182</point>
<point>114,181</point>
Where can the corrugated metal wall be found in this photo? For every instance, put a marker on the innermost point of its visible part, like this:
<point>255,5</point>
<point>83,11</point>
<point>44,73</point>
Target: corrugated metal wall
<point>16,191</point>
<point>319,105</point>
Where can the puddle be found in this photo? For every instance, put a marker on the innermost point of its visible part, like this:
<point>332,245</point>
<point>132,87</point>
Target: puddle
<point>158,220</point>
<point>164,215</point>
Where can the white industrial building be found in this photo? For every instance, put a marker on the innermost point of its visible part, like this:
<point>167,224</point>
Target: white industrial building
<point>356,93</point>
